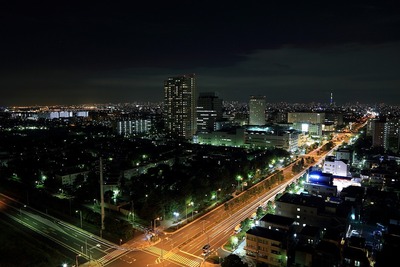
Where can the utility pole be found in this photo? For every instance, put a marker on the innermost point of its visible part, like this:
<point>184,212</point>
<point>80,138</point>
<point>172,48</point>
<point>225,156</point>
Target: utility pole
<point>102,198</point>
<point>133,212</point>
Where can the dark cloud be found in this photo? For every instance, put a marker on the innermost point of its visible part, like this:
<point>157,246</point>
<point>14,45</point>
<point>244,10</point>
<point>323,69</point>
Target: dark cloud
<point>67,52</point>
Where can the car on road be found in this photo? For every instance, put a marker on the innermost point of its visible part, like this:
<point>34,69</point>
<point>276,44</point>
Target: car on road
<point>237,229</point>
<point>206,250</point>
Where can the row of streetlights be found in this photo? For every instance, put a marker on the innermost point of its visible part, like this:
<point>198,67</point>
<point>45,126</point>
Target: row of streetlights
<point>176,214</point>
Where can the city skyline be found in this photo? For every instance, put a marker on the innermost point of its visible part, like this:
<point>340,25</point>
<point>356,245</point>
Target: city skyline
<point>65,54</point>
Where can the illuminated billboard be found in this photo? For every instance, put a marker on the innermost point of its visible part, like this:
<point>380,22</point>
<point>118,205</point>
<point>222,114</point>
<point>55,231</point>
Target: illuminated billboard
<point>318,177</point>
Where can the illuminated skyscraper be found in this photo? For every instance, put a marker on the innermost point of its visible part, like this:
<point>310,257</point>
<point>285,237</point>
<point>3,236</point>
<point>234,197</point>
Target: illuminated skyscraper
<point>180,105</point>
<point>257,106</point>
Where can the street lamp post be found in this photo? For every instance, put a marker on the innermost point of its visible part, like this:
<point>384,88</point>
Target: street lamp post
<point>176,214</point>
<point>190,204</point>
<point>219,190</point>
<point>90,251</point>
<point>239,179</point>
<point>20,210</point>
<point>80,215</point>
<point>131,214</point>
<point>154,223</point>
<point>195,211</point>
<point>76,259</point>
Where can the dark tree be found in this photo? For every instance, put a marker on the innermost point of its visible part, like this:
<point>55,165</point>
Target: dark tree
<point>233,260</point>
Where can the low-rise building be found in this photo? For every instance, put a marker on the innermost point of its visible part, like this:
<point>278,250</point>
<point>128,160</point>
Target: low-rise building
<point>312,210</point>
<point>277,222</point>
<point>267,246</point>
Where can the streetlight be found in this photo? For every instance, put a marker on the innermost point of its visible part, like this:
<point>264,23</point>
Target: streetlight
<point>239,178</point>
<point>80,214</point>
<point>90,251</point>
<point>192,213</point>
<point>154,224</point>
<point>20,210</point>
<point>219,190</point>
<point>76,259</point>
<point>190,204</point>
<point>176,214</point>
<point>132,212</point>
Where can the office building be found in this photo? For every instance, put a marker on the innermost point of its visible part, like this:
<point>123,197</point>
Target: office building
<point>209,111</point>
<point>257,107</point>
<point>306,117</point>
<point>233,137</point>
<point>272,137</point>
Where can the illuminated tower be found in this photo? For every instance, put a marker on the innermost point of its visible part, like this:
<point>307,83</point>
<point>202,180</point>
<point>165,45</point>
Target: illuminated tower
<point>257,106</point>
<point>180,105</point>
<point>331,99</point>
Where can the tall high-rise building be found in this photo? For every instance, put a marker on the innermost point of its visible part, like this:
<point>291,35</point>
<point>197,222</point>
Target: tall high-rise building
<point>385,133</point>
<point>180,105</point>
<point>257,105</point>
<point>378,132</point>
<point>209,111</point>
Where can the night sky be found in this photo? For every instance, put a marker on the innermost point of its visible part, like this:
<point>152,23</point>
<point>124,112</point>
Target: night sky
<point>82,52</point>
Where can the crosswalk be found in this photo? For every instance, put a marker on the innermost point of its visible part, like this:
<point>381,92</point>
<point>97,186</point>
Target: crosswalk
<point>160,253</point>
<point>171,256</point>
<point>110,256</point>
